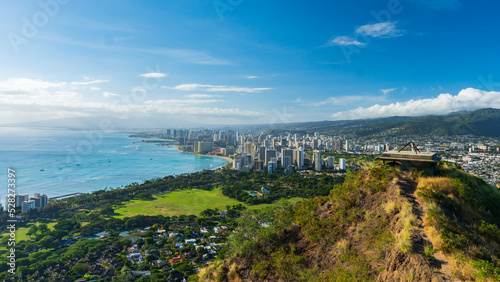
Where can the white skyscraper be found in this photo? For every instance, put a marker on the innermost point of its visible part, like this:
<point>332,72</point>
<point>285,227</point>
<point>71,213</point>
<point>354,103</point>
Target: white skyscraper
<point>342,164</point>
<point>298,158</point>
<point>330,162</point>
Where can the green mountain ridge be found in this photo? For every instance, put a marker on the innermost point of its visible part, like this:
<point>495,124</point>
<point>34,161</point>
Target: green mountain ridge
<point>380,224</point>
<point>483,122</point>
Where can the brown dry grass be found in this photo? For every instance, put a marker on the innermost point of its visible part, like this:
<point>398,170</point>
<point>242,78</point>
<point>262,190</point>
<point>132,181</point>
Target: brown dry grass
<point>403,240</point>
<point>233,274</point>
<point>390,207</point>
<point>442,185</point>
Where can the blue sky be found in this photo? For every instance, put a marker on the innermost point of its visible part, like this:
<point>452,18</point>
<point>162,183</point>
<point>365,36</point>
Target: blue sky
<point>241,61</point>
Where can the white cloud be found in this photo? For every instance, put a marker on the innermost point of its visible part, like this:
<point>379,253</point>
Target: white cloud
<point>89,82</point>
<point>467,99</point>
<point>343,41</point>
<point>109,94</point>
<point>216,88</point>
<point>181,102</point>
<point>387,91</point>
<point>195,96</point>
<point>347,100</point>
<point>153,75</point>
<point>93,88</point>
<point>138,89</point>
<point>33,100</point>
<point>382,30</point>
<point>251,76</point>
<point>29,85</point>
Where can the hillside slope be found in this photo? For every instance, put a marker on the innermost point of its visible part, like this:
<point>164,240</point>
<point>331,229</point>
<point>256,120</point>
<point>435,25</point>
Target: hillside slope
<point>379,225</point>
<point>481,122</point>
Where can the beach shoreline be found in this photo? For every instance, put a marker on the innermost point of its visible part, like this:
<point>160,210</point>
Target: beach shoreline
<point>177,147</point>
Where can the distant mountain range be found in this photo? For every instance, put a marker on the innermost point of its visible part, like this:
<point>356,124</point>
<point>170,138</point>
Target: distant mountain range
<point>483,122</point>
<point>102,122</point>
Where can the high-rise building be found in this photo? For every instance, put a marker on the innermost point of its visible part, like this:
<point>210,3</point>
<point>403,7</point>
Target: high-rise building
<point>347,145</point>
<point>20,198</point>
<point>247,147</point>
<point>43,200</point>
<point>27,206</point>
<point>318,161</point>
<point>36,200</point>
<point>272,165</point>
<point>314,144</point>
<point>270,153</point>
<point>267,143</point>
<point>259,165</point>
<point>337,145</point>
<point>286,157</point>
<point>227,151</point>
<point>262,153</point>
<point>330,162</point>
<point>298,158</point>
<point>203,147</point>
<point>274,142</point>
<point>342,164</point>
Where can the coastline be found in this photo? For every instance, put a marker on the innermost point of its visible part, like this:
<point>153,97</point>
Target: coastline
<point>177,147</point>
<point>115,161</point>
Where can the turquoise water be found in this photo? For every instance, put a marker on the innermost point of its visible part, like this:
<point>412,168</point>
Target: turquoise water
<point>58,162</point>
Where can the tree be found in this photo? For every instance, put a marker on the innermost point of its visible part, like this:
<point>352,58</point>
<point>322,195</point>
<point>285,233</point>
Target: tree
<point>151,258</point>
<point>32,230</point>
<point>47,241</point>
<point>80,268</point>
<point>43,228</point>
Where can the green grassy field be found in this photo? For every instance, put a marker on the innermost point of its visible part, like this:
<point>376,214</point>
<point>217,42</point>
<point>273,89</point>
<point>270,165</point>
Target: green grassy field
<point>185,202</point>
<point>21,232</point>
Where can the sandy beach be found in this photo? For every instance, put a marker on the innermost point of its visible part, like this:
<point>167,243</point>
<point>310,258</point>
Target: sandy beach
<point>222,157</point>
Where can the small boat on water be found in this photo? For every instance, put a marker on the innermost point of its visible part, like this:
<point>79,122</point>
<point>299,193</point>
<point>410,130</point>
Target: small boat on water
<point>42,169</point>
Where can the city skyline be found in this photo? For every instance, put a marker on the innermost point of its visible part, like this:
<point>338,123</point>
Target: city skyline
<point>243,62</point>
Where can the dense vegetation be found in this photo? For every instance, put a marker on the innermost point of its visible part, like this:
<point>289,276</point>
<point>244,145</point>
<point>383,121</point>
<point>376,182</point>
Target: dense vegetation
<point>463,219</point>
<point>372,227</point>
<point>63,243</point>
<point>377,223</point>
<point>302,239</point>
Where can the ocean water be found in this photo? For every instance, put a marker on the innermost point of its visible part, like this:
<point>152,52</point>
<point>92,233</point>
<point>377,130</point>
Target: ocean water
<point>58,162</point>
